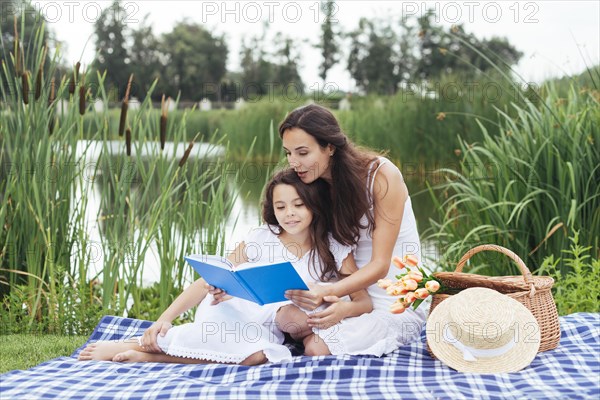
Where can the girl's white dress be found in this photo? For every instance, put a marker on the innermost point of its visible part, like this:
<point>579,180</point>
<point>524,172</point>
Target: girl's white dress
<point>231,331</point>
<point>380,332</point>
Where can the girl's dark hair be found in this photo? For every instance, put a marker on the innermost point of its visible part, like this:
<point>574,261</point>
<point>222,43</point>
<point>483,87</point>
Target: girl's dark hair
<point>315,197</point>
<point>349,167</point>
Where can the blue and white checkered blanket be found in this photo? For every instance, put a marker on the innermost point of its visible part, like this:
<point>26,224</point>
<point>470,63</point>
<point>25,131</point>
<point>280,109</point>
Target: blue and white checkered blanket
<point>571,371</point>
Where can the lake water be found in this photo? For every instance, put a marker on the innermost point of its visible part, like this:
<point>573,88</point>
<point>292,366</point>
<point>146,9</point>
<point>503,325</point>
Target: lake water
<point>245,213</point>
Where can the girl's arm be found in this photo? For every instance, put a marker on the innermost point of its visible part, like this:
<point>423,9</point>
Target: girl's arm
<point>190,297</point>
<point>390,194</point>
<point>361,302</point>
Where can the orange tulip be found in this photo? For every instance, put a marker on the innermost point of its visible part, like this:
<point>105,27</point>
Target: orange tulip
<point>395,290</point>
<point>432,286</point>
<point>411,259</point>
<point>410,297</point>
<point>384,283</point>
<point>410,284</point>
<point>421,293</point>
<point>415,275</point>
<point>398,262</point>
<point>397,308</point>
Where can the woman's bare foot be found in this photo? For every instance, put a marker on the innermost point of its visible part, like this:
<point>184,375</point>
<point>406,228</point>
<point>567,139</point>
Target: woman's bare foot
<point>106,350</point>
<point>255,359</point>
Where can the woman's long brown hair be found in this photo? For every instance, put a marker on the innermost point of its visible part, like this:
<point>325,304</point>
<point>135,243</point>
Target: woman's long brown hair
<point>315,197</point>
<point>349,163</point>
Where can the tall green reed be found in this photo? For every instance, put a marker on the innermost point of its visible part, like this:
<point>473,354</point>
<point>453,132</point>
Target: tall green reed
<point>54,276</point>
<point>528,187</point>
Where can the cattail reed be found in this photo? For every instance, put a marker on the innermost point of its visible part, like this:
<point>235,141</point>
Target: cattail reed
<point>52,94</point>
<point>81,99</point>
<point>128,141</point>
<point>18,66</point>
<point>124,107</point>
<point>38,84</point>
<point>40,75</point>
<point>186,154</point>
<point>74,78</point>
<point>51,123</point>
<point>163,122</point>
<point>25,82</point>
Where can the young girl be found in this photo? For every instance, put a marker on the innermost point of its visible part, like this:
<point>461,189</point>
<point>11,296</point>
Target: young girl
<point>239,331</point>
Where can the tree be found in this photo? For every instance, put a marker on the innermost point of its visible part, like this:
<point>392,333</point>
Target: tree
<point>374,60</point>
<point>263,72</point>
<point>145,59</point>
<point>453,51</point>
<point>329,45</point>
<point>195,60</point>
<point>257,71</point>
<point>286,69</point>
<point>111,48</point>
<point>28,22</point>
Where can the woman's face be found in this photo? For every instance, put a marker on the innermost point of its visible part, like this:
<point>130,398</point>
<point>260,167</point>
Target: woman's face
<point>290,211</point>
<point>309,160</point>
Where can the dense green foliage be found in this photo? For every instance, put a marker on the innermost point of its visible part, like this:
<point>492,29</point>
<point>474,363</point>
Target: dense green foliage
<point>528,187</point>
<point>55,276</point>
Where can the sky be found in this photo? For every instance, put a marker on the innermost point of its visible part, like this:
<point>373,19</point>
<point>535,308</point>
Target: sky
<point>556,37</point>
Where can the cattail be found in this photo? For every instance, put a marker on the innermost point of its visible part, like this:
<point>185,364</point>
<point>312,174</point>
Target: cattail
<point>25,82</point>
<point>74,78</point>
<point>18,65</point>
<point>81,99</point>
<point>52,94</point>
<point>163,123</point>
<point>128,141</point>
<point>51,126</point>
<point>40,74</point>
<point>124,107</point>
<point>186,154</point>
<point>38,84</point>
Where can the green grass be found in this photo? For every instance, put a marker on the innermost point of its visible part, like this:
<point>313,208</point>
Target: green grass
<point>26,351</point>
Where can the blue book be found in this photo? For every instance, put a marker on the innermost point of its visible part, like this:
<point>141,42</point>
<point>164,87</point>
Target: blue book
<point>262,284</point>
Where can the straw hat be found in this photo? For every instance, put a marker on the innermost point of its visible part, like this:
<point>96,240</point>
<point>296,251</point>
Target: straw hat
<point>483,331</point>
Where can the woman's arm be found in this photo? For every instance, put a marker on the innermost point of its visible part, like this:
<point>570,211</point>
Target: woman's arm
<point>361,302</point>
<point>390,195</point>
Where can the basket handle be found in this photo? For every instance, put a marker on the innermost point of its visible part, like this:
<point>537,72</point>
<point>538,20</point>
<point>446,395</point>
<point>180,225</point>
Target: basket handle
<point>492,247</point>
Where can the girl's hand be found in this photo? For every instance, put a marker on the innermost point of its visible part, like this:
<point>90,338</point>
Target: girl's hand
<point>307,299</point>
<point>218,294</point>
<point>333,314</point>
<point>148,341</point>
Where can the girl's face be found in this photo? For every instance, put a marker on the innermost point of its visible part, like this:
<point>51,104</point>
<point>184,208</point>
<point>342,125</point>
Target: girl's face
<point>291,213</point>
<point>309,160</point>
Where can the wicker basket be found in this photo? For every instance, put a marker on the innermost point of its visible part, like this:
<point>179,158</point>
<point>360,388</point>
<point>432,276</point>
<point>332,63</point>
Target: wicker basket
<point>532,291</point>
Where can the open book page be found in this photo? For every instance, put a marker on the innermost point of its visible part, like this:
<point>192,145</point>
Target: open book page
<point>214,260</point>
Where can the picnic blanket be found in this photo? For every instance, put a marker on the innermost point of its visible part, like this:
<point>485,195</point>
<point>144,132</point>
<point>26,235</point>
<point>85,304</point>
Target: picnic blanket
<point>570,371</point>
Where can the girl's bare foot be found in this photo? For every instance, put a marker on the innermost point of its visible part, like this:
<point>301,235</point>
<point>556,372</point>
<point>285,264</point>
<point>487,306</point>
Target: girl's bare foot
<point>106,350</point>
<point>131,356</point>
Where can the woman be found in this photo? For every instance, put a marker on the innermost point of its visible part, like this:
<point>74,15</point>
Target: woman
<point>371,210</point>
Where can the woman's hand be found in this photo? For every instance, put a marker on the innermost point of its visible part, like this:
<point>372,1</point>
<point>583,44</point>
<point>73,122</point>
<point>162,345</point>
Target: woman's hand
<point>333,314</point>
<point>148,341</point>
<point>218,295</point>
<point>308,299</point>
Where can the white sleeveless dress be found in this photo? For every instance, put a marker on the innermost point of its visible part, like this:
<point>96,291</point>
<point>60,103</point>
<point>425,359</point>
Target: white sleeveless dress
<point>380,332</point>
<point>235,329</point>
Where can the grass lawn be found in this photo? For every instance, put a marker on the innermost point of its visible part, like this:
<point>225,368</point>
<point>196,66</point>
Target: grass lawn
<point>26,351</point>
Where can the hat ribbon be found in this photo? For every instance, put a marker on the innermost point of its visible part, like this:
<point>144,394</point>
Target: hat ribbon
<point>470,353</point>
